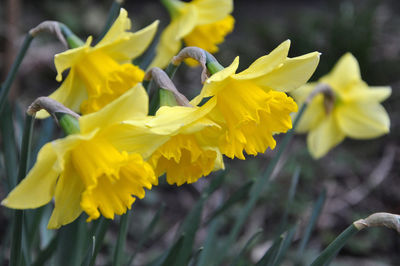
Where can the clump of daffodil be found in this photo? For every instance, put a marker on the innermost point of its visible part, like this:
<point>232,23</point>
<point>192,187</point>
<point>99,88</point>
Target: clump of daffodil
<point>100,74</point>
<point>350,108</point>
<point>190,148</point>
<point>201,23</point>
<point>89,171</point>
<point>252,105</point>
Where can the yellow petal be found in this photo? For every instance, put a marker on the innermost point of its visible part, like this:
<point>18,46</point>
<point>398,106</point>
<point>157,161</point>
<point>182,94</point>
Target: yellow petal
<point>267,63</point>
<point>169,120</point>
<point>210,11</point>
<point>132,104</point>
<point>67,59</point>
<point>368,94</point>
<point>67,199</point>
<point>324,137</point>
<point>312,116</point>
<point>364,120</point>
<point>118,29</point>
<point>345,72</point>
<point>71,93</point>
<point>171,38</point>
<point>37,188</point>
<point>134,138</point>
<point>209,36</point>
<point>128,45</point>
<point>216,82</point>
<point>293,73</point>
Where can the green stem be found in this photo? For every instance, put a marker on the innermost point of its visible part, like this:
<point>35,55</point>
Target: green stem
<point>172,6</point>
<point>112,15</point>
<point>100,233</point>
<point>123,231</point>
<point>5,87</point>
<point>16,253</point>
<point>258,187</point>
<point>335,246</point>
<point>167,98</point>
<point>171,70</point>
<point>9,146</point>
<point>212,64</point>
<point>161,97</point>
<point>72,40</point>
<point>68,123</point>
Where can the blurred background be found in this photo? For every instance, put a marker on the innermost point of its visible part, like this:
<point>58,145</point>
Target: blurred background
<point>360,177</point>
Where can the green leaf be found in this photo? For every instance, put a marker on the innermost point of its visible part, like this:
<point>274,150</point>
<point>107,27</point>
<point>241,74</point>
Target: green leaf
<point>284,246</point>
<point>5,87</point>
<point>256,189</point>
<point>9,146</point>
<point>189,229</point>
<point>331,251</point>
<point>148,231</point>
<point>100,232</point>
<point>270,254</point>
<point>236,196</point>
<point>170,256</point>
<point>73,241</point>
<point>45,254</point>
<point>122,233</point>
<point>292,192</point>
<point>310,225</point>
<point>207,254</point>
<point>252,240</point>
<point>18,239</point>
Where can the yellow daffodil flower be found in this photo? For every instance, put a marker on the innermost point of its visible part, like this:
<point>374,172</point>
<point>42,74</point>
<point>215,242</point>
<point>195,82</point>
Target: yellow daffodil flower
<point>355,112</point>
<point>190,148</point>
<point>100,74</point>
<point>90,171</point>
<point>201,23</point>
<point>252,105</point>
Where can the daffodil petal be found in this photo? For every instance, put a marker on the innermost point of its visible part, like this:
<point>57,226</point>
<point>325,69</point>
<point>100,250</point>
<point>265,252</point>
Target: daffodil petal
<point>67,59</point>
<point>371,94</point>
<point>130,45</point>
<point>267,63</point>
<point>216,81</point>
<point>314,114</point>
<point>293,73</point>
<point>71,93</point>
<point>118,29</point>
<point>133,104</point>
<point>324,137</point>
<point>345,72</point>
<point>134,138</point>
<point>363,121</point>
<point>170,119</point>
<point>37,188</point>
<point>67,199</point>
<point>210,11</point>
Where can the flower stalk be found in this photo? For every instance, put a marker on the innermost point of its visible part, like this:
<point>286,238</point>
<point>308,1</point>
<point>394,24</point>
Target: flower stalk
<point>17,234</point>
<point>64,117</point>
<point>379,219</point>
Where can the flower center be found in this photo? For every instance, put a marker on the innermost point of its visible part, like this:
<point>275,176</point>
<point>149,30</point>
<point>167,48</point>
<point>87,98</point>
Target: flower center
<point>111,179</point>
<point>105,79</point>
